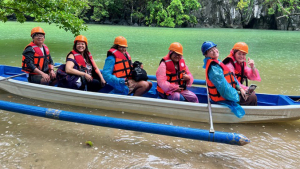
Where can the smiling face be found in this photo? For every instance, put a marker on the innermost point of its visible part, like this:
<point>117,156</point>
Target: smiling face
<point>213,53</point>
<point>175,57</point>
<point>240,56</point>
<point>39,39</point>
<point>80,46</point>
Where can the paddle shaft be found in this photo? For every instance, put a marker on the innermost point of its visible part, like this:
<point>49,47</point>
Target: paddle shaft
<point>211,130</point>
<point>21,75</point>
<point>13,76</point>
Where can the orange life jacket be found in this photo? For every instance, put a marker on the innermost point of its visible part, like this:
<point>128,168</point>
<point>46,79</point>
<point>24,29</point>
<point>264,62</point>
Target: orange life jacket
<point>122,68</point>
<point>173,75</point>
<point>81,62</point>
<point>239,71</point>
<point>212,90</point>
<point>38,59</point>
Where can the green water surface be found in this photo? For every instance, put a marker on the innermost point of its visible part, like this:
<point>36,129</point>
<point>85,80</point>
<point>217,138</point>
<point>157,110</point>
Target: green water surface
<point>275,52</point>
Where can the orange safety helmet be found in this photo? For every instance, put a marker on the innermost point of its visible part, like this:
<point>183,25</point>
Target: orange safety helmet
<point>176,47</point>
<point>121,41</point>
<point>37,30</point>
<point>242,46</point>
<point>81,38</point>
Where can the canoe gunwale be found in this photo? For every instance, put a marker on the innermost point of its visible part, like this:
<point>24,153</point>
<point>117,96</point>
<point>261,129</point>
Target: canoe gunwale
<point>129,99</point>
<point>194,109</point>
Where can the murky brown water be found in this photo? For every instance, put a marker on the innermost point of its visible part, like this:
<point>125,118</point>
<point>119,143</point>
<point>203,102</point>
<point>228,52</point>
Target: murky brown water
<point>35,142</point>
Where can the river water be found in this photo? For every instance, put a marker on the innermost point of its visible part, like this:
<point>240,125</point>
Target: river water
<point>35,142</point>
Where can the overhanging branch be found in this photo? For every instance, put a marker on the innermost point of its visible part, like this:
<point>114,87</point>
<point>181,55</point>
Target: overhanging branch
<point>287,15</point>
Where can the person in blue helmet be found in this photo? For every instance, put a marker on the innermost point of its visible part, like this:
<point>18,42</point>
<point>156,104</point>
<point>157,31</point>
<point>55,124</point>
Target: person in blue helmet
<point>222,85</point>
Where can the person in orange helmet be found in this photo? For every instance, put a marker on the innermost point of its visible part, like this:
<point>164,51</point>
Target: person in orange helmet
<point>173,76</point>
<point>117,71</point>
<point>79,62</point>
<point>237,63</point>
<point>37,61</point>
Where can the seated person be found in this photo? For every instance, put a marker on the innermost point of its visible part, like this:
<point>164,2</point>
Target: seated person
<point>138,73</point>
<point>117,71</point>
<point>37,61</point>
<point>81,70</point>
<point>236,62</point>
<point>221,83</point>
<point>173,76</point>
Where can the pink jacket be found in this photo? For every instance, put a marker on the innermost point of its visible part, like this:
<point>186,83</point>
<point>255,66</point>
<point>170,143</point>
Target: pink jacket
<point>166,86</point>
<point>248,72</point>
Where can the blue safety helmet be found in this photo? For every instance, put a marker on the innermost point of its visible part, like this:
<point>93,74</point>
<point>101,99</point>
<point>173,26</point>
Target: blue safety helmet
<point>206,46</point>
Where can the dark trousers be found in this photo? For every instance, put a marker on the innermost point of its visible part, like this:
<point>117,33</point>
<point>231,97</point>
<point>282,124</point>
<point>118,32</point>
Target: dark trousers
<point>38,79</point>
<point>94,85</point>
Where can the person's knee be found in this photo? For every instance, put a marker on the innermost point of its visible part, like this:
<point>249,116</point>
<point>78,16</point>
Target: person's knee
<point>150,84</point>
<point>94,85</point>
<point>250,101</point>
<point>44,82</point>
<point>174,96</point>
<point>253,97</point>
<point>143,84</point>
<point>181,98</point>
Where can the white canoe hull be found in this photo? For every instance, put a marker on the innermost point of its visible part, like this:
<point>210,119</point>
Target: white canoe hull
<point>150,106</point>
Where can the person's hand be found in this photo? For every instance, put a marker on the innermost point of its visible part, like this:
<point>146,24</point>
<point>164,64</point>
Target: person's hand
<point>179,89</point>
<point>52,74</point>
<point>103,82</point>
<point>46,77</point>
<point>244,94</point>
<point>251,63</point>
<point>88,77</point>
<point>185,77</point>
<point>126,82</point>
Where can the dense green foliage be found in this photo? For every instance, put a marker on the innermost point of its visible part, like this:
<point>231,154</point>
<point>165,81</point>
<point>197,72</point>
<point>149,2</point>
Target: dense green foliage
<point>244,7</point>
<point>71,15</point>
<point>286,7</point>
<point>167,13</point>
<point>174,14</point>
<point>63,13</point>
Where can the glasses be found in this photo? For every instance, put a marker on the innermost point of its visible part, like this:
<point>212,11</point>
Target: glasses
<point>122,47</point>
<point>177,55</point>
<point>39,36</point>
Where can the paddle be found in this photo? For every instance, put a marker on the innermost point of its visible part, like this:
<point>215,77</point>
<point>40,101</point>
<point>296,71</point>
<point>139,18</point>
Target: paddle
<point>20,75</point>
<point>211,130</point>
<point>13,76</point>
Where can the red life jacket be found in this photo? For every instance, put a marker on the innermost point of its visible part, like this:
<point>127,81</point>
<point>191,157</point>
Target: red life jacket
<point>212,90</point>
<point>239,71</point>
<point>38,59</point>
<point>173,75</point>
<point>122,68</point>
<point>80,60</point>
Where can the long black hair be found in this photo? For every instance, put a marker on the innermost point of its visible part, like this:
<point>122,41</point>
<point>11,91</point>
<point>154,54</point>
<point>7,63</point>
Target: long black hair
<point>115,46</point>
<point>85,52</point>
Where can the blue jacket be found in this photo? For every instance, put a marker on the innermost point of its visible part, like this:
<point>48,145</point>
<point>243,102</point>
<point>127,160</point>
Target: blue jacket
<point>117,83</point>
<point>215,75</point>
